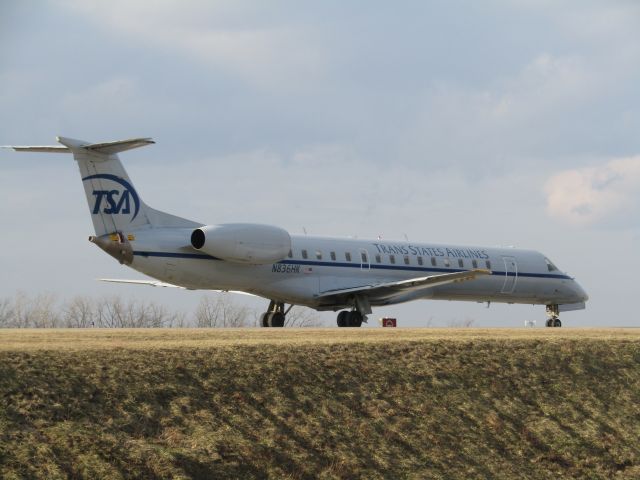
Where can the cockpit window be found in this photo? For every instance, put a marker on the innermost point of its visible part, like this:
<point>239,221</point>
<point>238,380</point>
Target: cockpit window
<point>550,266</point>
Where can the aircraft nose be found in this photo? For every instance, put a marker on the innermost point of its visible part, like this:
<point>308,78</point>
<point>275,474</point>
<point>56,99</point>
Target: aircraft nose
<point>580,292</point>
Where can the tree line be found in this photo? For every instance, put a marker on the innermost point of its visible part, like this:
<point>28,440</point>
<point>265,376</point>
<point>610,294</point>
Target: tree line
<point>213,311</point>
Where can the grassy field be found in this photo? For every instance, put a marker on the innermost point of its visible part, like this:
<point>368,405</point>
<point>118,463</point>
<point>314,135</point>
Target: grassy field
<point>327,403</point>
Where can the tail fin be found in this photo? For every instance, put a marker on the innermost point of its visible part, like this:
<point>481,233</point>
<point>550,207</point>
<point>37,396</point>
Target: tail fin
<point>113,202</point>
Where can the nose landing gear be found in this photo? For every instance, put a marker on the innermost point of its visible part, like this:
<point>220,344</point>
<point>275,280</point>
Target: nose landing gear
<point>553,313</point>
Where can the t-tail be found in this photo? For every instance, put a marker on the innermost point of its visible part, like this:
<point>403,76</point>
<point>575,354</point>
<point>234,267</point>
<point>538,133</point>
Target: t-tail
<point>114,203</point>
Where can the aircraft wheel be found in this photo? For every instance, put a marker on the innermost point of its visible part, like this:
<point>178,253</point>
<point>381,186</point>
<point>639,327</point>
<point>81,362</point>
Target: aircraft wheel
<point>550,322</point>
<point>276,319</point>
<point>355,319</point>
<point>264,319</point>
<point>343,319</point>
<point>557,322</point>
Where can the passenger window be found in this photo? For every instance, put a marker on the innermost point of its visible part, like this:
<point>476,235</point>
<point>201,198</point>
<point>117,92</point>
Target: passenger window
<point>378,258</point>
<point>406,259</point>
<point>419,260</point>
<point>347,256</point>
<point>433,261</point>
<point>461,263</point>
<point>488,264</point>
<point>290,255</point>
<point>333,255</point>
<point>318,254</point>
<point>304,254</point>
<point>363,257</point>
<point>392,259</point>
<point>447,262</point>
<point>474,263</point>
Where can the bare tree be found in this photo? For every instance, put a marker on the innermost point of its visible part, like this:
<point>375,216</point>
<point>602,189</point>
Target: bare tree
<point>7,313</point>
<point>37,312</point>
<point>79,312</point>
<point>233,315</point>
<point>178,320</point>
<point>159,316</point>
<point>136,315</point>
<point>466,323</point>
<point>112,313</point>
<point>219,311</point>
<point>302,317</point>
<point>20,311</point>
<point>43,311</point>
<point>100,313</point>
<point>206,314</point>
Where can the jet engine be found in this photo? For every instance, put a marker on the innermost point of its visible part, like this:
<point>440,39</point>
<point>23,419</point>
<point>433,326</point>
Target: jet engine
<point>243,242</point>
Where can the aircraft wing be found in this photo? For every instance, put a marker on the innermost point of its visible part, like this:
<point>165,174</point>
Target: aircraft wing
<point>157,283</point>
<point>390,289</point>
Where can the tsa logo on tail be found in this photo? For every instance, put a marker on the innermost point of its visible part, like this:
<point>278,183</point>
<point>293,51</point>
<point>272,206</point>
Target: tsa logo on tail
<point>114,201</point>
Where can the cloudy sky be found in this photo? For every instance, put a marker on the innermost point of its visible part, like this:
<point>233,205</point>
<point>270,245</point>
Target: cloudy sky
<point>491,123</point>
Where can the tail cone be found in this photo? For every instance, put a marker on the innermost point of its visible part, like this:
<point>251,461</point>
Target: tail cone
<point>116,245</point>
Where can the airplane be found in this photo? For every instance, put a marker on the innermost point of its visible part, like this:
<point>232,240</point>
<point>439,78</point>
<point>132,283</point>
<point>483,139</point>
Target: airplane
<point>345,275</point>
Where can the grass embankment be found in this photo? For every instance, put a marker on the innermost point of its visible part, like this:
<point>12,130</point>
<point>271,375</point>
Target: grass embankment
<point>320,403</point>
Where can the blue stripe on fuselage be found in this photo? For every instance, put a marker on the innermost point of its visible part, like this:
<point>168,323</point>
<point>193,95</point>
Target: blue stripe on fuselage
<point>418,269</point>
<point>200,256</point>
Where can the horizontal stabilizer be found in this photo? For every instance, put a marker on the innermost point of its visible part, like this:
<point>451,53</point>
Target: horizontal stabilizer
<point>41,149</point>
<point>157,283</point>
<point>71,145</point>
<point>105,148</point>
<point>109,148</point>
<point>151,283</point>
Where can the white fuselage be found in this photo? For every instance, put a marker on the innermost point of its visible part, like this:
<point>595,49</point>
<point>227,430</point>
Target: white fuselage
<point>321,264</point>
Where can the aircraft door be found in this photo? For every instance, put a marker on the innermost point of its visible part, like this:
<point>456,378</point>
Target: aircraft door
<point>365,261</point>
<point>510,275</point>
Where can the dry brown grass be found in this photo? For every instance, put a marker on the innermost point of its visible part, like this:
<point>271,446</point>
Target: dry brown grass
<point>131,338</point>
<point>327,403</point>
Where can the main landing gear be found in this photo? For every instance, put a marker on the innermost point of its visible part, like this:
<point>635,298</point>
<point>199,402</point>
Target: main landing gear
<point>358,313</point>
<point>350,319</point>
<point>275,315</point>
<point>553,313</point>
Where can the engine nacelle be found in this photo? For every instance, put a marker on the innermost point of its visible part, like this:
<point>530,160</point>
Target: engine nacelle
<point>243,242</point>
